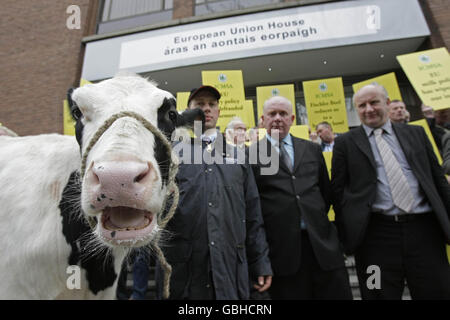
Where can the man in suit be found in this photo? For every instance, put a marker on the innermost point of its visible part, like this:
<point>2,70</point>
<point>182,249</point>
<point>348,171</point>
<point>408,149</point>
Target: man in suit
<point>392,203</point>
<point>397,111</point>
<point>304,249</point>
<point>326,135</point>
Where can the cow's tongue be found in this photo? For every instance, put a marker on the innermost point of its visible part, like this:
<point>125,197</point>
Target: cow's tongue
<point>125,218</point>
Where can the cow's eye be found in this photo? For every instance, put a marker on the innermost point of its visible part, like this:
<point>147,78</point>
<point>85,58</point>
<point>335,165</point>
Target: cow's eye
<point>76,113</point>
<point>173,115</point>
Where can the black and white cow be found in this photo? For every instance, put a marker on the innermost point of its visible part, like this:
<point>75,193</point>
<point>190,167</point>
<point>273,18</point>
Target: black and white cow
<point>45,200</point>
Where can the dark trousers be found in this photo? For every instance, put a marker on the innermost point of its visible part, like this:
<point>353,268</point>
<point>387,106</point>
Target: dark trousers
<point>411,250</point>
<point>311,282</point>
<point>141,274</point>
<point>122,292</point>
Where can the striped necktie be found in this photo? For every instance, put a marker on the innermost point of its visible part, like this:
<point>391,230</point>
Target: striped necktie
<point>285,156</point>
<point>401,193</point>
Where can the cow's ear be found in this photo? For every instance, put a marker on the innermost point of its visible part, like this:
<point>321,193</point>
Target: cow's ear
<point>187,118</point>
<point>76,115</point>
<point>73,108</point>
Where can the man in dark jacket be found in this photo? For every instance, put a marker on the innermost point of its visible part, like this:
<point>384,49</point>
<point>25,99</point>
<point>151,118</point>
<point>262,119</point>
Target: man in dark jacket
<point>326,135</point>
<point>217,239</point>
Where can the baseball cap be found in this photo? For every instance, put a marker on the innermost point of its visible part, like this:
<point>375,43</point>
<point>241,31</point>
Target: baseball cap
<point>195,91</point>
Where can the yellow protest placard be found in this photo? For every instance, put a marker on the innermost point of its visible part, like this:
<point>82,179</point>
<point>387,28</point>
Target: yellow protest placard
<point>229,109</point>
<point>325,101</point>
<point>68,121</point>
<point>328,156</point>
<point>248,114</point>
<point>388,81</point>
<point>429,73</point>
<point>230,84</point>
<point>265,92</point>
<point>423,123</point>
<point>84,82</point>
<point>182,100</point>
<point>448,253</point>
<point>300,131</point>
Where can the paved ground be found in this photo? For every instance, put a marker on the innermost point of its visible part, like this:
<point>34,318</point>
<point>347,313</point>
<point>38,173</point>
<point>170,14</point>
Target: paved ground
<point>349,262</point>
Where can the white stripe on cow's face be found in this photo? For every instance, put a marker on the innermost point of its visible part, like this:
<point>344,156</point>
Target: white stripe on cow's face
<point>122,185</point>
<point>122,168</point>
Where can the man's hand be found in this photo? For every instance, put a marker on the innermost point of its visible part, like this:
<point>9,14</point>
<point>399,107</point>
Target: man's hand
<point>264,283</point>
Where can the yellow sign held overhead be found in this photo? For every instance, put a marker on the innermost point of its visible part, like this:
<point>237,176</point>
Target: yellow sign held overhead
<point>68,121</point>
<point>300,131</point>
<point>230,84</point>
<point>429,73</point>
<point>182,100</point>
<point>325,101</point>
<point>265,92</point>
<point>423,123</point>
<point>248,114</point>
<point>328,157</point>
<point>84,82</point>
<point>388,81</point>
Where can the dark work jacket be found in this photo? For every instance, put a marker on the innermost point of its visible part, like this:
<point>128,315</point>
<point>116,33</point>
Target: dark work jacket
<point>217,231</point>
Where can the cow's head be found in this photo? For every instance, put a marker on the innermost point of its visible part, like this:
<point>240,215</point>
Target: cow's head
<point>125,179</point>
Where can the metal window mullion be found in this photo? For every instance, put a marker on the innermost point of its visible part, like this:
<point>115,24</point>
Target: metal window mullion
<point>106,14</point>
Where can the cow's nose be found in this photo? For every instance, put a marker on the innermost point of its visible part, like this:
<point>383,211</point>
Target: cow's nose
<point>119,183</point>
<point>123,174</point>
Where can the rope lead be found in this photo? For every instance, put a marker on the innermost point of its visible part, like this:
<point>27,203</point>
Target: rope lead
<point>172,188</point>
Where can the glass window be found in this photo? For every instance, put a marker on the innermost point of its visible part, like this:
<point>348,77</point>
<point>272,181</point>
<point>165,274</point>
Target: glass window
<point>118,9</point>
<point>168,4</point>
<point>118,15</point>
<point>212,6</point>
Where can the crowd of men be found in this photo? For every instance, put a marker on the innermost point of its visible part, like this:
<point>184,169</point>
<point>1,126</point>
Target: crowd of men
<point>242,231</point>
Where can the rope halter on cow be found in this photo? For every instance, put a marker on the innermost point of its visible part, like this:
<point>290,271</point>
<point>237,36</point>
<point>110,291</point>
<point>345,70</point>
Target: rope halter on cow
<point>172,188</point>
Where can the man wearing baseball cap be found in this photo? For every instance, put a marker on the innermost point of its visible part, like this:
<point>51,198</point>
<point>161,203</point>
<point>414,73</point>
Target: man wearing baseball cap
<point>207,99</point>
<point>218,248</point>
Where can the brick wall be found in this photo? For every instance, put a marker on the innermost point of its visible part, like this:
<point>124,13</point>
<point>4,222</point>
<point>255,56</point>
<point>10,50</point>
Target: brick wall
<point>437,14</point>
<point>40,59</point>
<point>183,8</point>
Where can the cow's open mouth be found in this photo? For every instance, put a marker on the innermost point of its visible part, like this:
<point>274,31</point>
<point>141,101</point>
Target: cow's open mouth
<point>124,224</point>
